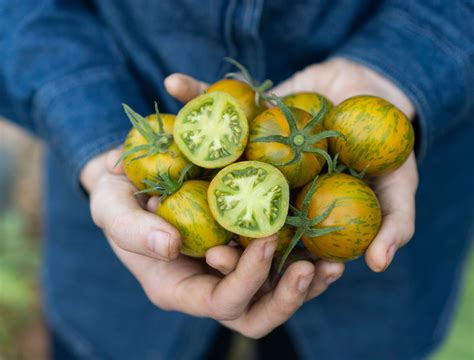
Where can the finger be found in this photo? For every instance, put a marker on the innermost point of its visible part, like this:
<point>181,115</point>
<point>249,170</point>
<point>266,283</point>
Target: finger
<point>326,273</point>
<point>115,210</point>
<point>152,204</point>
<point>236,290</point>
<point>112,161</point>
<point>223,258</point>
<point>277,306</point>
<point>183,87</point>
<point>396,193</point>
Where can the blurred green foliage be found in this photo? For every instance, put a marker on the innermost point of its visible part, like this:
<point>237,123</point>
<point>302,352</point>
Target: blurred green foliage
<point>19,259</point>
<point>460,343</point>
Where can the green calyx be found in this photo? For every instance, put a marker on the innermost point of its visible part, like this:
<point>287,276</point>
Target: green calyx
<point>156,141</point>
<point>259,88</point>
<point>304,225</point>
<point>339,168</point>
<point>300,141</point>
<point>164,183</point>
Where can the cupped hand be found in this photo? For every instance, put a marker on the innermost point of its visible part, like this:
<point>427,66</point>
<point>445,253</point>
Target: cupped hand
<point>339,79</point>
<point>227,286</point>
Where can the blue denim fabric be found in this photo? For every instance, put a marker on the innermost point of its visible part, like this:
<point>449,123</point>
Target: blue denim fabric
<point>67,65</point>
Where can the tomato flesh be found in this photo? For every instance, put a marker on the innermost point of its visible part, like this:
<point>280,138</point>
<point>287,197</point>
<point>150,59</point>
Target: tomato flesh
<point>211,130</point>
<point>250,198</point>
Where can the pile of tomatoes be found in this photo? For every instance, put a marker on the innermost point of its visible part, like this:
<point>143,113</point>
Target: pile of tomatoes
<point>237,164</point>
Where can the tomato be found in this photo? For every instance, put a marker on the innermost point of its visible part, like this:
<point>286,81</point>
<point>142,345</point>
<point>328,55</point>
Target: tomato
<point>378,136</point>
<point>284,238</point>
<point>187,209</point>
<point>311,102</point>
<point>244,94</point>
<point>149,149</point>
<point>250,198</point>
<point>353,208</point>
<point>211,130</point>
<point>244,88</point>
<point>290,139</point>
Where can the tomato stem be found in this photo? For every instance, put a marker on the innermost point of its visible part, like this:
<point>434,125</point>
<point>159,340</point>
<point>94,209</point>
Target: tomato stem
<point>259,89</point>
<point>157,141</point>
<point>304,224</point>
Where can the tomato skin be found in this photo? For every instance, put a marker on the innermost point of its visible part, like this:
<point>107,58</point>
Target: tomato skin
<point>189,212</point>
<point>357,210</point>
<point>243,93</point>
<point>284,238</point>
<point>310,102</point>
<point>148,167</point>
<point>379,136</point>
<point>273,122</point>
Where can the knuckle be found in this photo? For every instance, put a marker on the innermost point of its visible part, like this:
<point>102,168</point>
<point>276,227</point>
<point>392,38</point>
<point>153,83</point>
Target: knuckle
<point>224,314</point>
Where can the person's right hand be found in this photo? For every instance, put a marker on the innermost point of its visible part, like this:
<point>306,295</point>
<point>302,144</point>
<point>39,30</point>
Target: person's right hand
<point>149,247</point>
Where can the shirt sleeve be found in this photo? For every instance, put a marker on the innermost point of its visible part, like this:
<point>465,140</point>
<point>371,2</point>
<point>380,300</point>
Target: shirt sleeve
<point>63,78</point>
<point>426,47</point>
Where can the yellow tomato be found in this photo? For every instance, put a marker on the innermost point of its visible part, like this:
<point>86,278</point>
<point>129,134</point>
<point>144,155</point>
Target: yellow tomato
<point>243,93</point>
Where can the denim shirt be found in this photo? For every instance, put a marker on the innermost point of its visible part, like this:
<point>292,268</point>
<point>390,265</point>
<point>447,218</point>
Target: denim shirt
<point>67,65</point>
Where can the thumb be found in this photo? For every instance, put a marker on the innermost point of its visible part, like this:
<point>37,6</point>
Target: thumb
<point>115,209</point>
<point>183,87</point>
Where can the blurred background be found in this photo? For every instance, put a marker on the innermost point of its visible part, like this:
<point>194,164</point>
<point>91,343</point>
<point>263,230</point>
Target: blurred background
<point>22,329</point>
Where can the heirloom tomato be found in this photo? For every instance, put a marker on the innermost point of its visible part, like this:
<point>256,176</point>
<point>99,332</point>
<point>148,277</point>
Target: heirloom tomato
<point>292,140</point>
<point>378,137</point>
<point>149,149</point>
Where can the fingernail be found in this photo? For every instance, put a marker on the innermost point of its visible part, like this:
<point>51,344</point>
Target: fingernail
<point>159,242</point>
<point>304,281</point>
<point>390,255</point>
<point>269,248</point>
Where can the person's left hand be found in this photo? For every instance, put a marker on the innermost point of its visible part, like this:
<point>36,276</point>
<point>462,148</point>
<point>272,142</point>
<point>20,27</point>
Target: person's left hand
<point>339,79</point>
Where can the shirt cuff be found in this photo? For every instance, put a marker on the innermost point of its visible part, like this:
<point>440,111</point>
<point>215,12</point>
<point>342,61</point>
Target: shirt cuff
<point>418,62</point>
<point>81,116</point>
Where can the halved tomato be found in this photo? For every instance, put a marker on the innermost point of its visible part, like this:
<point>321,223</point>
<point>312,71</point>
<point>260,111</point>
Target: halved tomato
<point>250,198</point>
<point>378,137</point>
<point>211,130</point>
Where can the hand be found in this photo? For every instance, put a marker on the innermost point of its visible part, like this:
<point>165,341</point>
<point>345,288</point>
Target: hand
<point>235,294</point>
<point>339,79</point>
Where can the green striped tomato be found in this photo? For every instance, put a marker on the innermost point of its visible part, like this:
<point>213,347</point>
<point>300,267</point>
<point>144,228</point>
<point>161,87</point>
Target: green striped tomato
<point>356,209</point>
<point>378,136</point>
<point>189,212</point>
